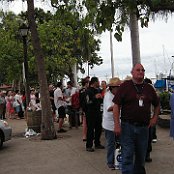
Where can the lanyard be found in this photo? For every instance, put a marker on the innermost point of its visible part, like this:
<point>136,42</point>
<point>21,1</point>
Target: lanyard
<point>139,89</point>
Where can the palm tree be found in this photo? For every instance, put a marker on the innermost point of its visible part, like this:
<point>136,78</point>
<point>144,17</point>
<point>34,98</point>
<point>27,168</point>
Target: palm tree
<point>108,13</point>
<point>117,14</point>
<point>134,32</point>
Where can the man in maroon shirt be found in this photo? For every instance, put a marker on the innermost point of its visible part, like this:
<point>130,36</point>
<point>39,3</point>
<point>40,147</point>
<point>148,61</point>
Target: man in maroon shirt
<point>134,99</point>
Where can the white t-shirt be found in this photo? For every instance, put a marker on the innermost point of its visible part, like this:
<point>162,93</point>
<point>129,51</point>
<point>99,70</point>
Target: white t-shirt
<point>32,99</point>
<point>17,100</point>
<point>108,118</point>
<point>57,94</point>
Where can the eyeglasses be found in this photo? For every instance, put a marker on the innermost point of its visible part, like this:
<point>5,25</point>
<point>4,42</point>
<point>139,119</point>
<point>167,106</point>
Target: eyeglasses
<point>115,86</point>
<point>143,70</point>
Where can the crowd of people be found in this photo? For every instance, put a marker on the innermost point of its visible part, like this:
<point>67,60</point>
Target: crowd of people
<point>125,110</point>
<point>82,106</point>
<point>12,105</point>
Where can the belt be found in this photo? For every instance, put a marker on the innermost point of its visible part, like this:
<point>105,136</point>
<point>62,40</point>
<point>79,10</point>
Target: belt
<point>137,124</point>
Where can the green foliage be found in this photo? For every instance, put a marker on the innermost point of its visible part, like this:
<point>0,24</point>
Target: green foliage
<point>63,38</point>
<point>161,2</point>
<point>164,100</point>
<point>10,48</point>
<point>161,5</point>
<point>114,15</point>
<point>64,41</point>
<point>101,14</point>
<point>67,36</point>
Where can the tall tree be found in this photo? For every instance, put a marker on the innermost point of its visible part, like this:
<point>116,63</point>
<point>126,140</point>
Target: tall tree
<point>134,33</point>
<point>108,14</point>
<point>115,14</point>
<point>63,41</point>
<point>47,126</point>
<point>11,54</point>
<point>68,14</point>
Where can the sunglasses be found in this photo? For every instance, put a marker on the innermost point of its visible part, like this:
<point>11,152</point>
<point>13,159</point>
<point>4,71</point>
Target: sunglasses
<point>143,70</point>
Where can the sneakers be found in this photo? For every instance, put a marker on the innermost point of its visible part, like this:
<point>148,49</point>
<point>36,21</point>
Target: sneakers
<point>154,140</point>
<point>111,166</point>
<point>99,146</point>
<point>61,131</point>
<point>148,159</point>
<point>89,149</point>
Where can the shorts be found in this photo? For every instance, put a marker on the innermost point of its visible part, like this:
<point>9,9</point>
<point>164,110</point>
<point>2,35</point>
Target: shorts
<point>61,112</point>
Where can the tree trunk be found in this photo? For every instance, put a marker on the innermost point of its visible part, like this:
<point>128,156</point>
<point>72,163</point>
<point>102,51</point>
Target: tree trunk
<point>74,68</point>
<point>47,126</point>
<point>134,31</point>
<point>71,74</point>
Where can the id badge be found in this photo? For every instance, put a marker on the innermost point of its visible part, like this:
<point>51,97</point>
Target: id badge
<point>140,102</point>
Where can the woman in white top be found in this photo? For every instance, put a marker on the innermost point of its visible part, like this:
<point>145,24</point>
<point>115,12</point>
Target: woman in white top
<point>108,120</point>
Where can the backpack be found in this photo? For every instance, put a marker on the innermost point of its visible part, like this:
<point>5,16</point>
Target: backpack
<point>75,101</point>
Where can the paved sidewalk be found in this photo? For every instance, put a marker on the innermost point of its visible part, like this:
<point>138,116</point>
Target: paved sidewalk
<point>67,155</point>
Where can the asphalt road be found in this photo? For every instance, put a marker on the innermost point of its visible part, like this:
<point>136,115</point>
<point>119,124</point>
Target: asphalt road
<point>67,154</point>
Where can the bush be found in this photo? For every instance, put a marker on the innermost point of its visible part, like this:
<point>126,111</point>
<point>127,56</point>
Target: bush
<point>164,100</point>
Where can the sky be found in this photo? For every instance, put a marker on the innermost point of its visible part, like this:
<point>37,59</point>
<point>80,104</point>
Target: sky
<point>156,48</point>
<point>156,51</point>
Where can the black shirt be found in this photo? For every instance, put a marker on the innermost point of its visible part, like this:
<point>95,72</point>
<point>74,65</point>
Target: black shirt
<point>93,104</point>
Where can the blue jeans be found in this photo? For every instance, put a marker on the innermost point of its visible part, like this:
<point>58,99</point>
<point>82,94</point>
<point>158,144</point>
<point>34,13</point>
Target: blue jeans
<point>134,141</point>
<point>18,108</point>
<point>110,145</point>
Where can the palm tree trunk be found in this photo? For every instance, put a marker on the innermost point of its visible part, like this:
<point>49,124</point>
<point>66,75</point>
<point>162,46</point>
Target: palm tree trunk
<point>134,31</point>
<point>47,126</point>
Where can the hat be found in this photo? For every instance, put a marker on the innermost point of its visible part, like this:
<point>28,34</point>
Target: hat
<point>115,81</point>
<point>128,78</point>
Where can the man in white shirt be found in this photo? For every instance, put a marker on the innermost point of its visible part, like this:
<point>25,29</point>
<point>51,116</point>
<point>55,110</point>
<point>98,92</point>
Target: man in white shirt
<point>69,92</point>
<point>17,104</point>
<point>60,105</point>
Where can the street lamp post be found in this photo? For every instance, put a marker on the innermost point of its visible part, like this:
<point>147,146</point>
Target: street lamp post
<point>24,32</point>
